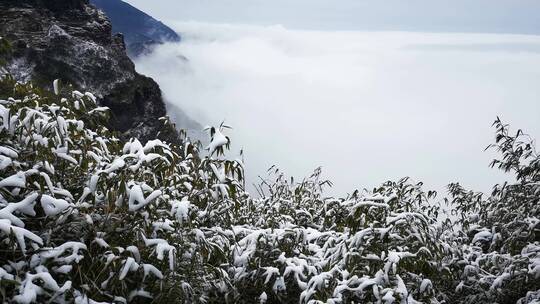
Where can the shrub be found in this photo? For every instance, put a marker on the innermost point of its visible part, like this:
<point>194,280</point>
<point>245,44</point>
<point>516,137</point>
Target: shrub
<point>88,218</point>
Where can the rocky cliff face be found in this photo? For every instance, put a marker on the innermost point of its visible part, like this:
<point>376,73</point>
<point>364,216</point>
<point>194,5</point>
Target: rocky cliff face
<point>72,41</point>
<point>141,31</point>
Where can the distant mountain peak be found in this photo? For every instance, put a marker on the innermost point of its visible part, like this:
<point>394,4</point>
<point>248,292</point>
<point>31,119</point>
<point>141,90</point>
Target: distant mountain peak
<point>140,30</point>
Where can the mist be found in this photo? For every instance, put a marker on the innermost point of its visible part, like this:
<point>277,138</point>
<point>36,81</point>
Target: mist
<point>365,106</point>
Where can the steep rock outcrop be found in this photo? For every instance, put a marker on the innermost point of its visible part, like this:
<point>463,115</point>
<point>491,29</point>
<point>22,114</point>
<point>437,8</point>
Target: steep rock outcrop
<point>71,40</point>
<point>141,31</point>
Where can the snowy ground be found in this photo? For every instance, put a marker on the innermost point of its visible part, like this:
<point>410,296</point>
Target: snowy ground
<point>367,106</point>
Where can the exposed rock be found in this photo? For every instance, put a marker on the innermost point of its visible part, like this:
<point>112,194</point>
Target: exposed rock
<point>72,41</point>
<point>141,31</point>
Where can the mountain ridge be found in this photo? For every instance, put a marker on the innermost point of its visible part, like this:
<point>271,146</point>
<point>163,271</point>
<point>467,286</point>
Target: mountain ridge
<point>141,31</point>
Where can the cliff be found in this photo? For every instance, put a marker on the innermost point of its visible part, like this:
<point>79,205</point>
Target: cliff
<point>71,40</point>
<point>141,31</point>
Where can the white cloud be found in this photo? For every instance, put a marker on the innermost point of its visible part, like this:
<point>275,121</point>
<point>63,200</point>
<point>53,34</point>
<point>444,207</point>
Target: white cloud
<point>367,106</point>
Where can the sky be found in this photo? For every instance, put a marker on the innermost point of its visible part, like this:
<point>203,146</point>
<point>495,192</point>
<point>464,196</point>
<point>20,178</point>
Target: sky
<point>488,16</point>
<point>369,101</point>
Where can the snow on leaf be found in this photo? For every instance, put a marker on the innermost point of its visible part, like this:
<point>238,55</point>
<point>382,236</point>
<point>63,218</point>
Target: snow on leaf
<point>137,199</point>
<point>53,206</point>
<point>16,180</point>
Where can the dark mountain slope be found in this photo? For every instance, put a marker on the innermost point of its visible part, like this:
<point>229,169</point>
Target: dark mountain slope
<point>140,30</point>
<point>71,40</point>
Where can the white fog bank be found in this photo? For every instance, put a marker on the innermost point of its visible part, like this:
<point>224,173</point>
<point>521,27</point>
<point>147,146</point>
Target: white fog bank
<point>366,106</point>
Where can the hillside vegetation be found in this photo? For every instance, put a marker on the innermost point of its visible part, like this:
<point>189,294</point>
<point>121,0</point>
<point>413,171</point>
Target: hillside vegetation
<point>88,218</point>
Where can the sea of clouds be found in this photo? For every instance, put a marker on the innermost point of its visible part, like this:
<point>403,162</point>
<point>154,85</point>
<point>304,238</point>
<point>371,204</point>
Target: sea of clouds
<point>366,106</point>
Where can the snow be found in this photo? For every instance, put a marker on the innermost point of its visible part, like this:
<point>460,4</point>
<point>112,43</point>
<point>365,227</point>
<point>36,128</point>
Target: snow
<point>62,153</point>
<point>129,266</point>
<point>16,180</point>
<point>269,273</point>
<point>279,285</point>
<point>26,206</point>
<point>401,289</point>
<point>426,285</point>
<point>135,252</point>
<point>181,210</point>
<point>482,236</point>
<point>8,152</point>
<point>388,297</point>
<point>151,269</point>
<point>137,199</point>
<point>165,225</point>
<point>53,206</point>
<point>99,110</point>
<point>393,260</point>
<point>218,140</point>
<point>499,281</point>
<point>139,293</point>
<point>91,96</point>
<point>56,87</point>
<point>64,269</point>
<point>116,165</point>
<point>29,291</point>
<point>263,298</point>
<point>101,243</point>
<point>5,162</point>
<point>162,246</point>
<point>72,251</point>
